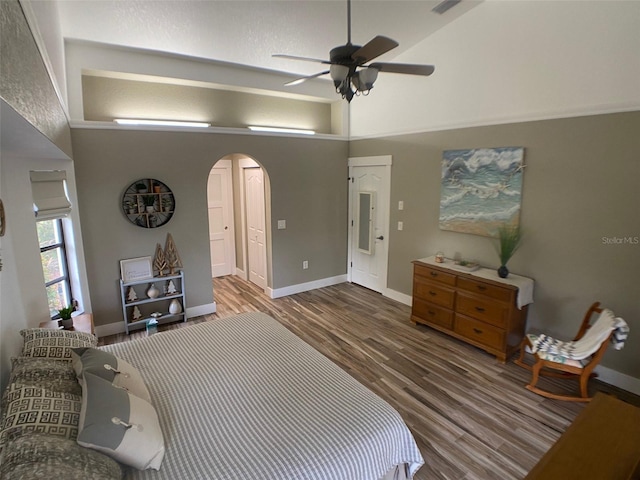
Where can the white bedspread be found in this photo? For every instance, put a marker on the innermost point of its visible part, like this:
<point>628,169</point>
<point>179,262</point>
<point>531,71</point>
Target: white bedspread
<point>243,398</point>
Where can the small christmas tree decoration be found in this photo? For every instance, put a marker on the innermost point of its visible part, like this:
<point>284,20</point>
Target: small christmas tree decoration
<point>172,256</point>
<point>132,296</point>
<point>136,313</point>
<point>160,262</point>
<point>171,288</point>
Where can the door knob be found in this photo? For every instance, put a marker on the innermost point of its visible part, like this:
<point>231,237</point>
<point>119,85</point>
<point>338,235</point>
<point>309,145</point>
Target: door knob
<point>380,237</point>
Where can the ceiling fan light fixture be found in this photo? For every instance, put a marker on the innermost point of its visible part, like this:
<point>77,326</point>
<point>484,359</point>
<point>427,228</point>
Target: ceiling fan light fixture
<point>349,70</point>
<point>339,73</point>
<point>364,79</point>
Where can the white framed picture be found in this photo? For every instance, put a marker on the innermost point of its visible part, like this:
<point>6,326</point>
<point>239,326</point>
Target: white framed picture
<point>134,269</point>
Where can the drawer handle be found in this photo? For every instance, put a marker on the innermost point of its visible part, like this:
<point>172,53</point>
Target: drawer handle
<point>431,312</point>
<point>477,330</point>
<point>434,274</point>
<point>482,287</point>
<point>480,309</point>
<point>432,293</point>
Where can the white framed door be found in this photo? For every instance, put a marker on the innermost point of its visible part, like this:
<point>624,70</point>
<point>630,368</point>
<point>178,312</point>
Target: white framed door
<point>369,198</point>
<point>220,207</point>
<point>255,226</point>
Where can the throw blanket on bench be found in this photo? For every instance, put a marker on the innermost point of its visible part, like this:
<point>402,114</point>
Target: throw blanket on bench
<point>580,350</point>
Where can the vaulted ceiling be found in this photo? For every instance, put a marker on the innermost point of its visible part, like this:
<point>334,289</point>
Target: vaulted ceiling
<point>249,32</point>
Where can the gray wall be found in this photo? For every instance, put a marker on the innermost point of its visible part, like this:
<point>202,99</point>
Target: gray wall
<point>308,189</point>
<point>581,184</point>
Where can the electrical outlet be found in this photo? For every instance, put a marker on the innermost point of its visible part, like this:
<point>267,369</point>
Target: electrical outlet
<point>282,224</point>
<point>400,206</point>
<point>400,225</point>
<point>305,264</point>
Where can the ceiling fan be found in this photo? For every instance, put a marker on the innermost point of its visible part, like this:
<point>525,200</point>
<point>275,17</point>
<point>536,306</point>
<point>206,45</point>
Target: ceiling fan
<point>347,68</point>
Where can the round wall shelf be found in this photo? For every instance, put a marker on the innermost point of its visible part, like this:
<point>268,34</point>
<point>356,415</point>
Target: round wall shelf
<point>148,203</point>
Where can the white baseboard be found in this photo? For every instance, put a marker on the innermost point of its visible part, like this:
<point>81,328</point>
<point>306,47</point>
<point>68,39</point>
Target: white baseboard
<point>109,329</point>
<point>305,287</point>
<point>118,327</point>
<point>398,296</point>
<point>617,379</point>
<point>201,310</point>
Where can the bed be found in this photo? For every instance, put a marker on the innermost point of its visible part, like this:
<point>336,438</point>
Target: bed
<point>244,398</point>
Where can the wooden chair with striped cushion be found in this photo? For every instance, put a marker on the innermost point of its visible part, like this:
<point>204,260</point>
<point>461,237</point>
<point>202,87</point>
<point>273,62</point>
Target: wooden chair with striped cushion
<point>577,359</point>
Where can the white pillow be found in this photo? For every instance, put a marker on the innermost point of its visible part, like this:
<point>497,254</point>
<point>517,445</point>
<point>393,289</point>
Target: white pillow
<point>119,424</point>
<point>111,368</point>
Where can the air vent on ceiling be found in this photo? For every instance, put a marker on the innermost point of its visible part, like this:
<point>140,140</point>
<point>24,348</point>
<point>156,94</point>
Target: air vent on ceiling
<point>444,6</point>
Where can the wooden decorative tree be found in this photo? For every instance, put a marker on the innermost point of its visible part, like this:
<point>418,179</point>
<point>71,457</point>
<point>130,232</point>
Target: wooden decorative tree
<point>132,296</point>
<point>160,261</point>
<point>172,256</point>
<point>136,314</point>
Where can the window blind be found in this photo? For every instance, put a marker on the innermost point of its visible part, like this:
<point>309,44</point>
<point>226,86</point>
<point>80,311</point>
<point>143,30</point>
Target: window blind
<point>49,190</point>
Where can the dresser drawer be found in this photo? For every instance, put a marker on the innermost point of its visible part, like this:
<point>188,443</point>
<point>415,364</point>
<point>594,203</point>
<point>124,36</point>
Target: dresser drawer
<point>484,309</point>
<point>435,275</point>
<point>485,289</point>
<point>433,293</point>
<point>479,331</point>
<point>432,313</point>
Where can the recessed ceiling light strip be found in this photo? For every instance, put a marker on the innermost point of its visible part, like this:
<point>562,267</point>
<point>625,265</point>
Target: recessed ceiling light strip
<point>164,123</point>
<point>301,131</point>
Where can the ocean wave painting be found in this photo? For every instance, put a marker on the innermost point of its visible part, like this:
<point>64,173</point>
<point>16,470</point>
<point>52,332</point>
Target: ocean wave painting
<point>481,189</point>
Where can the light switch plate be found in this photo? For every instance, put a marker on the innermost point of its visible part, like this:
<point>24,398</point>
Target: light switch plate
<point>400,205</point>
<point>400,225</point>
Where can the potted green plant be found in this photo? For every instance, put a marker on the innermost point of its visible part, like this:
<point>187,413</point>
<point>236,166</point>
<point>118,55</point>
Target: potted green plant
<point>129,207</point>
<point>148,201</point>
<point>65,317</point>
<point>141,187</point>
<point>509,238</point>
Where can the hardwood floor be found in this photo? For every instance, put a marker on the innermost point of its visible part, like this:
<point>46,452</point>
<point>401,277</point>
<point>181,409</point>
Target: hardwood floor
<point>470,415</point>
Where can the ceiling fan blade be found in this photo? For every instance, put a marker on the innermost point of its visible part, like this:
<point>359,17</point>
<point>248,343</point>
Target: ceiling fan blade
<point>373,49</point>
<point>298,81</point>
<point>306,59</point>
<point>406,68</point>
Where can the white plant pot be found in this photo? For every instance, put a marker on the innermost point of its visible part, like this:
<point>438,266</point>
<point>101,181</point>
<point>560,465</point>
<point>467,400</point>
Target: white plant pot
<point>67,324</point>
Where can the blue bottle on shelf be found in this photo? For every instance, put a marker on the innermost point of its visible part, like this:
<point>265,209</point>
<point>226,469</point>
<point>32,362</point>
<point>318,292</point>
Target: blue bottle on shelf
<point>152,326</point>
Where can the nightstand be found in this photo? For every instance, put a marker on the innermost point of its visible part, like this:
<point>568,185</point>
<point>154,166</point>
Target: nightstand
<point>81,323</point>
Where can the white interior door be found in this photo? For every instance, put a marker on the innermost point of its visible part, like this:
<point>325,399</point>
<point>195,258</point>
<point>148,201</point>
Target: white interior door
<point>220,205</point>
<point>369,195</point>
<point>256,235</point>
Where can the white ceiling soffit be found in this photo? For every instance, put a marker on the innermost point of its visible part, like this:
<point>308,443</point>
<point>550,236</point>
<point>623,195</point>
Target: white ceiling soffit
<point>249,32</point>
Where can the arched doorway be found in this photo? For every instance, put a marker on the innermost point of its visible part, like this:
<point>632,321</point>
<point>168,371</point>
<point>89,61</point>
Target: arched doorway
<point>237,202</point>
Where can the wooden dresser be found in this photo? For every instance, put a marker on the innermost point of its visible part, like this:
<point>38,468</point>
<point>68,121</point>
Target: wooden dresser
<point>603,442</point>
<point>471,306</point>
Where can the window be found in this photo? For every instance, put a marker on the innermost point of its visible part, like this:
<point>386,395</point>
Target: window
<point>54,264</point>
